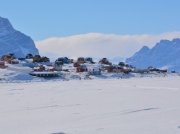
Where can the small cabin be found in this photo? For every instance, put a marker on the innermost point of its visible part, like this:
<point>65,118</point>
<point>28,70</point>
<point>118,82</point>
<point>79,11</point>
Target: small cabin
<point>111,69</point>
<point>82,68</point>
<point>58,66</point>
<point>2,63</point>
<point>81,60</point>
<point>89,60</point>
<point>105,61</point>
<point>29,56</point>
<point>39,68</point>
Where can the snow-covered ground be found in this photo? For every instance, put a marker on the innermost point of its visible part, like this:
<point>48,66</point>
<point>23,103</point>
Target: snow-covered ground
<point>101,105</point>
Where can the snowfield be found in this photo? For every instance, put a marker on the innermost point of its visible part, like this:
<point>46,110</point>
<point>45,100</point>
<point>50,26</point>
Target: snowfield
<point>97,106</point>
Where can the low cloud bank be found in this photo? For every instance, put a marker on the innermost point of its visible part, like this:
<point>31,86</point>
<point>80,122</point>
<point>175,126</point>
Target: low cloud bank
<point>99,45</point>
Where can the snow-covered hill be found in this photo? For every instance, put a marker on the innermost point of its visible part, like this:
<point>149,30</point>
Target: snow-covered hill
<point>164,54</point>
<point>12,41</point>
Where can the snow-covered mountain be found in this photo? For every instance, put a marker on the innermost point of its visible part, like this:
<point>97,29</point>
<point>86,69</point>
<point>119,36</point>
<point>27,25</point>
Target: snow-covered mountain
<point>164,54</point>
<point>13,41</point>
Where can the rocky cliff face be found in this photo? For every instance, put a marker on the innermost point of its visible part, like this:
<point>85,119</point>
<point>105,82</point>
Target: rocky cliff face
<point>13,41</point>
<point>165,53</point>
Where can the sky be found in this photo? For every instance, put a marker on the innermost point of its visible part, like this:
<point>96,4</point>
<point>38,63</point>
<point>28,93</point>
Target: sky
<point>50,19</point>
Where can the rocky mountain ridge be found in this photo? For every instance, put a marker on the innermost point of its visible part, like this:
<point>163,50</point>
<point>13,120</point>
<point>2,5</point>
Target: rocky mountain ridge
<point>164,54</point>
<point>13,41</point>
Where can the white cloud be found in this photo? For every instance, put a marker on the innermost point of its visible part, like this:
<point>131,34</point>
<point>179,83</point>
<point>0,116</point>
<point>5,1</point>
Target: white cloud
<point>99,45</point>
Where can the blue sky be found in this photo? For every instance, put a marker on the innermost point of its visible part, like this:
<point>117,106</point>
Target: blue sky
<point>43,19</point>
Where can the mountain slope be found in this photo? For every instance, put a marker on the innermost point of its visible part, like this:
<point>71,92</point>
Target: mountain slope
<point>13,41</point>
<point>165,53</point>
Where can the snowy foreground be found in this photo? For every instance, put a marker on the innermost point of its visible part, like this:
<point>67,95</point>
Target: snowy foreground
<point>98,106</point>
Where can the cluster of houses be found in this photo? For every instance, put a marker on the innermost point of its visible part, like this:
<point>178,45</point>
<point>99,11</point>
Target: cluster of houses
<point>42,67</point>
